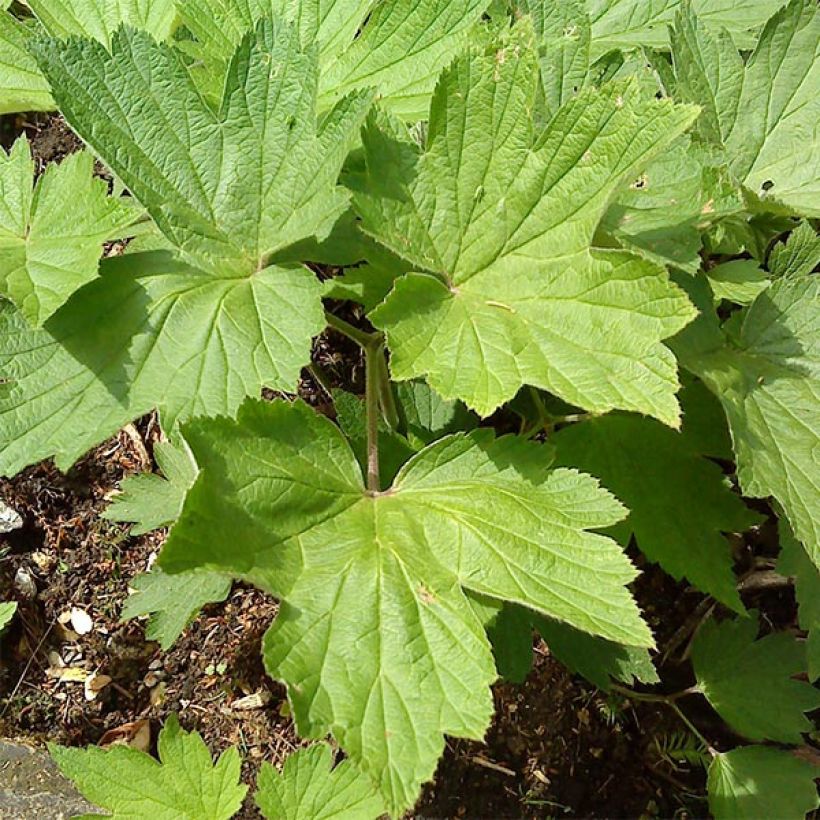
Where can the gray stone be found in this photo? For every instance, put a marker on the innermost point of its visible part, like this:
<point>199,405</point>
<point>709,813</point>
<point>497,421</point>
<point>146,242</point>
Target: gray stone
<point>32,787</point>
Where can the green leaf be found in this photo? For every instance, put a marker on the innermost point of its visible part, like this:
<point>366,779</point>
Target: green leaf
<point>228,189</point>
<point>764,113</point>
<point>750,683</point>
<point>704,422</point>
<point>99,19</point>
<point>7,610</point>
<point>184,785</point>
<point>764,366</point>
<point>664,212</point>
<point>311,788</point>
<point>799,255</point>
<point>659,475</point>
<point>740,281</point>
<point>399,47</point>
<point>49,247</point>
<point>173,601</point>
<point>758,781</point>
<point>498,225</point>
<point>428,416</point>
<point>152,501</point>
<point>149,332</point>
<point>375,638</point>
<point>794,561</point>
<point>640,23</point>
<point>22,85</point>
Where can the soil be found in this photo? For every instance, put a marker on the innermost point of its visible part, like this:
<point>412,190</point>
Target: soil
<point>558,747</point>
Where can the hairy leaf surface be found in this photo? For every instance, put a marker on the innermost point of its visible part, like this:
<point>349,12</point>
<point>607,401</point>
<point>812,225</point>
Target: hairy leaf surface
<point>498,223</point>
<point>22,85</point>
<point>375,638</point>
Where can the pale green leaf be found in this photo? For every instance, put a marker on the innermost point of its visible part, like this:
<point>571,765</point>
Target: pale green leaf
<point>99,19</point>
<point>184,785</point>
<point>50,247</point>
<point>764,113</point>
<point>499,225</point>
<point>765,369</point>
<point>398,47</point>
<point>309,787</point>
<point>7,610</point>
<point>757,782</point>
<point>22,85</point>
<point>740,281</point>
<point>428,416</point>
<point>799,255</point>
<point>173,601</point>
<point>665,210</point>
<point>794,562</point>
<point>659,475</point>
<point>149,332</point>
<point>638,23</point>
<point>152,501</point>
<point>228,189</point>
<point>750,683</point>
<point>375,638</point>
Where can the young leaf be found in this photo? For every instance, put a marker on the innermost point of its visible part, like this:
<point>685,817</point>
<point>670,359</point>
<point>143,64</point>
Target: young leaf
<point>765,369</point>
<point>764,113</point>
<point>22,85</point>
<point>49,247</point>
<point>7,610</point>
<point>499,224</point>
<point>662,479</point>
<point>309,786</point>
<point>375,638</point>
<point>794,562</point>
<point>152,501</point>
<point>757,781</point>
<point>99,19</point>
<point>740,281</point>
<point>184,785</point>
<point>173,601</point>
<point>799,255</point>
<point>750,683</point>
<point>227,190</point>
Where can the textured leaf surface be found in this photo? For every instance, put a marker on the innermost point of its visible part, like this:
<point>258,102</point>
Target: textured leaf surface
<point>740,281</point>
<point>99,19</point>
<point>765,369</point>
<point>48,246</point>
<point>659,475</point>
<point>184,785</point>
<point>799,255</point>
<point>227,189</point>
<point>750,683</point>
<point>173,601</point>
<point>22,85</point>
<point>499,226</point>
<point>758,781</point>
<point>375,639</point>
<point>310,788</point>
<point>149,332</point>
<point>637,23</point>
<point>398,47</point>
<point>765,114</point>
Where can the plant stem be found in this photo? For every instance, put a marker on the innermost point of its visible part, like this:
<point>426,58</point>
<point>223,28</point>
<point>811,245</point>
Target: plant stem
<point>361,337</point>
<point>321,378</point>
<point>374,362</point>
<point>386,397</point>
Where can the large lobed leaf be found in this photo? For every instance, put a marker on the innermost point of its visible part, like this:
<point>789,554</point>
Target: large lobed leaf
<point>498,224</point>
<point>228,190</point>
<point>376,639</point>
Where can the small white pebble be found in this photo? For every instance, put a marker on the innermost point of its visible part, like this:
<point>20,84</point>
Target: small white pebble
<point>81,621</point>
